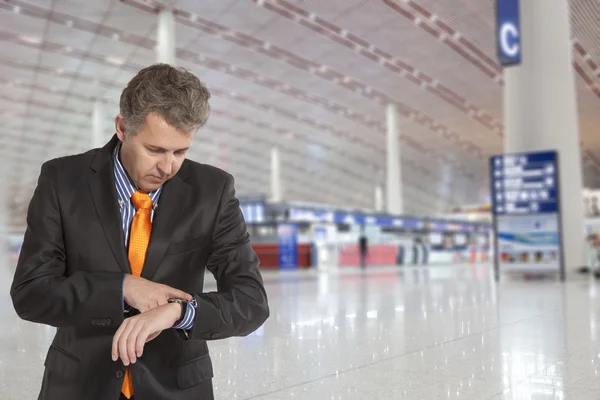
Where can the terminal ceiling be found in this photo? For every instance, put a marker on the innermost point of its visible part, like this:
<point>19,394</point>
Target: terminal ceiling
<point>310,77</point>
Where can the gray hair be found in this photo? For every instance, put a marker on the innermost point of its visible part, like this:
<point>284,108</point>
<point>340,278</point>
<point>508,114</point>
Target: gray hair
<point>175,94</point>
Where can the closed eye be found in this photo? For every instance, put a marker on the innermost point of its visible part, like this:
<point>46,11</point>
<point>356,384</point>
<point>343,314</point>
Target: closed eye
<point>158,150</point>
<point>155,150</point>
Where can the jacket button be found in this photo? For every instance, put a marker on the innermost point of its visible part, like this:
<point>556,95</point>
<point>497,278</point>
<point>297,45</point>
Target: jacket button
<point>119,374</point>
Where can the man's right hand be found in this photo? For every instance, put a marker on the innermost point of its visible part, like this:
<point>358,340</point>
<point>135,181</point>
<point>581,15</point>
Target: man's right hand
<point>145,295</point>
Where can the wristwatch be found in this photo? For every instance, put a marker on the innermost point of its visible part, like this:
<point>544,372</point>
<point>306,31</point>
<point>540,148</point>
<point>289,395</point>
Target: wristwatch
<point>183,304</point>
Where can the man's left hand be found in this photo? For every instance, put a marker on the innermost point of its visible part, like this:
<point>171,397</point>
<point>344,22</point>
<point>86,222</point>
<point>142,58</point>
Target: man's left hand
<point>135,332</point>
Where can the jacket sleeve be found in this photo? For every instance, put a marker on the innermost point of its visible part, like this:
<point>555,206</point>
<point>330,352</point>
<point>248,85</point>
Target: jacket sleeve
<point>42,290</point>
<point>240,305</point>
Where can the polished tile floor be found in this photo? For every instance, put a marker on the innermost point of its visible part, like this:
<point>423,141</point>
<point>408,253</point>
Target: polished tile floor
<point>387,333</point>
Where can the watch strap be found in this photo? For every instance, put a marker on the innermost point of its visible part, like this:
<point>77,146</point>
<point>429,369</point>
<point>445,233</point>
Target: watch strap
<point>183,304</point>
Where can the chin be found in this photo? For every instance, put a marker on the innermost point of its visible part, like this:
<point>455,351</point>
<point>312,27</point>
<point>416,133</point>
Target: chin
<point>151,186</point>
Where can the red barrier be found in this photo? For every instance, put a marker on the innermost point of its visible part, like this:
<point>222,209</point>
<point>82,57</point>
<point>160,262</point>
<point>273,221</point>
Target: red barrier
<point>268,254</point>
<point>378,254</point>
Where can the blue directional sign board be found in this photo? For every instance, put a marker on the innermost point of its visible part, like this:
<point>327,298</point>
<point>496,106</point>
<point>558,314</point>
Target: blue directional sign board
<point>525,183</point>
<point>288,246</point>
<point>508,32</point>
<point>526,208</point>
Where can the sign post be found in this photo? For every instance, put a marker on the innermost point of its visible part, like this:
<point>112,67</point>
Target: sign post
<point>288,246</point>
<point>526,208</point>
<point>508,32</point>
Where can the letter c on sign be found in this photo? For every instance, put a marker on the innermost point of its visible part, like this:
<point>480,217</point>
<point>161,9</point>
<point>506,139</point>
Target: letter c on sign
<point>509,31</point>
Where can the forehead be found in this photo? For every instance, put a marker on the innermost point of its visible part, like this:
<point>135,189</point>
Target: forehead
<point>157,132</point>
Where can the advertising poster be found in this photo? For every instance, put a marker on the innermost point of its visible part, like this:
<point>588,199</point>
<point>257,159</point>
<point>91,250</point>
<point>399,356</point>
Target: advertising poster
<point>529,243</point>
<point>288,246</point>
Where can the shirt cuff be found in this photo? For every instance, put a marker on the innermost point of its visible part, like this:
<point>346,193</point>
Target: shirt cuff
<point>187,322</point>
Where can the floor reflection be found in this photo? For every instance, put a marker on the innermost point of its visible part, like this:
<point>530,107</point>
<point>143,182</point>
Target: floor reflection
<point>385,333</point>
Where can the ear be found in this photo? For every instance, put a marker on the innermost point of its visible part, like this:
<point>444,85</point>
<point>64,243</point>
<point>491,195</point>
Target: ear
<point>120,127</point>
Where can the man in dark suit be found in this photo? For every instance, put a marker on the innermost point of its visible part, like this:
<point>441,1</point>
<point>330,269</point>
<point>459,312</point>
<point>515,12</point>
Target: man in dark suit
<point>115,252</point>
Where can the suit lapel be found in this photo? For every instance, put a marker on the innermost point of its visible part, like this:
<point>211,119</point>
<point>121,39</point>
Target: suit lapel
<point>172,201</point>
<point>104,194</point>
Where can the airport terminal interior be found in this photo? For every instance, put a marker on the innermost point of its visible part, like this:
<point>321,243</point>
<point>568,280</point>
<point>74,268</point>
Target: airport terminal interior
<point>420,180</point>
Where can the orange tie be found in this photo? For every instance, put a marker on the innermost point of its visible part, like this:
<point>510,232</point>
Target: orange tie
<point>139,238</point>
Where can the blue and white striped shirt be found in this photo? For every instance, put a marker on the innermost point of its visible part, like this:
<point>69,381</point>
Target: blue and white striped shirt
<point>125,189</point>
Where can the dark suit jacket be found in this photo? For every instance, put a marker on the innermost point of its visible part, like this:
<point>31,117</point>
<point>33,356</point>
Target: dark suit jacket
<point>70,272</point>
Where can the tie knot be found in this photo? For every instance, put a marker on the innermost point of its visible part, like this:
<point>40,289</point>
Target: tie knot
<point>141,200</point>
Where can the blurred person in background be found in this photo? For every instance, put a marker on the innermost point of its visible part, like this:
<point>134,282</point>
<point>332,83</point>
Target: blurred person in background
<point>363,247</point>
<point>115,252</point>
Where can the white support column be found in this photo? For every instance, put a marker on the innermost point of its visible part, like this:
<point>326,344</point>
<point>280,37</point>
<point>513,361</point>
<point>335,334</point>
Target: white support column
<point>4,220</point>
<point>165,50</point>
<point>275,176</point>
<point>6,275</point>
<point>378,198</point>
<point>394,203</point>
<point>540,109</point>
<point>98,121</point>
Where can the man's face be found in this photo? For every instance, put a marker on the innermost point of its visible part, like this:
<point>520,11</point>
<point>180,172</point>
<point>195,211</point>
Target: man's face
<point>153,155</point>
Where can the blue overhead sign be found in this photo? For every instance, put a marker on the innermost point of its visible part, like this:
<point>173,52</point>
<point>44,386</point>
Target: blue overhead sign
<point>508,32</point>
<point>253,212</point>
<point>358,218</point>
<point>525,184</point>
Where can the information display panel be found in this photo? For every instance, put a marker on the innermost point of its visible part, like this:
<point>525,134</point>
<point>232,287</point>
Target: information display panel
<point>526,208</point>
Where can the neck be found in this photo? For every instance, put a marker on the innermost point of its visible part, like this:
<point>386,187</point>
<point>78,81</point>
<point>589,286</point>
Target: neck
<point>125,163</point>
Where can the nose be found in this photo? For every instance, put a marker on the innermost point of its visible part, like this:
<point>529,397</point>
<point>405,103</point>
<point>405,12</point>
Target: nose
<point>165,167</point>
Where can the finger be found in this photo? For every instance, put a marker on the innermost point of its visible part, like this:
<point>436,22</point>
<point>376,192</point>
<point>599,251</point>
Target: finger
<point>132,342</point>
<point>115,343</point>
<point>142,338</point>
<point>123,353</point>
<point>178,294</point>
